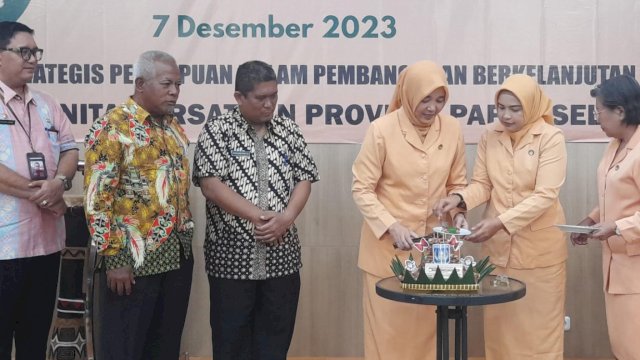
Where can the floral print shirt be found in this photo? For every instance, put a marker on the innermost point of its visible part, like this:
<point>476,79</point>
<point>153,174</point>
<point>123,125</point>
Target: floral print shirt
<point>136,188</point>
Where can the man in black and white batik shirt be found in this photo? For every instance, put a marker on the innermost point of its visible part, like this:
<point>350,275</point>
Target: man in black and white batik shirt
<point>255,171</point>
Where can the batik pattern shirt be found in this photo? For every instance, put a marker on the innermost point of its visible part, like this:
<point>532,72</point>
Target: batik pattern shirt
<point>26,230</point>
<point>136,189</point>
<point>264,170</point>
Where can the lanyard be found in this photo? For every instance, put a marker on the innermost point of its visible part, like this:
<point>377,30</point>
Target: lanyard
<point>28,133</point>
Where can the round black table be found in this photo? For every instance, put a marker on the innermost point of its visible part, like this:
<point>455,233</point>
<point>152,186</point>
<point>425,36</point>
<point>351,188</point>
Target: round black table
<point>452,305</point>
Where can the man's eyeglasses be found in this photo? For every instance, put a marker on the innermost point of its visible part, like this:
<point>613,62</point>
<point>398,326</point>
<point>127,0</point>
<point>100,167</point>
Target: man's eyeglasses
<point>26,52</point>
<point>596,114</point>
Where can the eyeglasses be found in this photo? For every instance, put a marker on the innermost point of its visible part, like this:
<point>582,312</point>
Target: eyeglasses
<point>26,52</point>
<point>596,114</point>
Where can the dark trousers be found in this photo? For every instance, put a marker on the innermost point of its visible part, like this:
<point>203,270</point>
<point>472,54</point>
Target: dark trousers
<point>148,323</point>
<point>253,319</point>
<point>27,298</point>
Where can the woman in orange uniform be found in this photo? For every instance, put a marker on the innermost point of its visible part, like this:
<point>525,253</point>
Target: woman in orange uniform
<point>410,158</point>
<point>519,169</point>
<point>617,215</point>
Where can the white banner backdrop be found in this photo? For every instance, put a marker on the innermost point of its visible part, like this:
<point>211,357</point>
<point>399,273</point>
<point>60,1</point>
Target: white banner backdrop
<point>337,61</point>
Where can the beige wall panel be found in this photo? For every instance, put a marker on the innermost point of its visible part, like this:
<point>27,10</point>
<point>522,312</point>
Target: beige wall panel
<point>196,338</point>
<point>329,319</point>
<point>330,217</point>
<point>585,299</point>
<point>330,312</point>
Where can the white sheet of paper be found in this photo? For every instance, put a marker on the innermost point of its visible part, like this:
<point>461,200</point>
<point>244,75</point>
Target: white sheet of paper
<point>577,229</point>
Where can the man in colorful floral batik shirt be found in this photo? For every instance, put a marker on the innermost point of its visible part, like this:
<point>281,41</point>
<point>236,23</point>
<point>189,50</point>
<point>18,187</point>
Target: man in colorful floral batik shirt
<point>137,206</point>
<point>256,171</point>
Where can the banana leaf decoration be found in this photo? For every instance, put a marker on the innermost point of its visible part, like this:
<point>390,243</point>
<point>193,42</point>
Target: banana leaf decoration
<point>397,268</point>
<point>484,268</point>
<point>473,275</point>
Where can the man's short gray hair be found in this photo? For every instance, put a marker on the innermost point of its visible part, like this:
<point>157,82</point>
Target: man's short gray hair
<point>145,66</point>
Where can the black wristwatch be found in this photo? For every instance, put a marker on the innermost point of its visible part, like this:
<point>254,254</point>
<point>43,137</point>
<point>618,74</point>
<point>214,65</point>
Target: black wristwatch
<point>461,204</point>
<point>65,182</point>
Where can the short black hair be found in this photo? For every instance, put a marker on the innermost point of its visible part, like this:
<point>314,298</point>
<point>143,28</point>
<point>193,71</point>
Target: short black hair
<point>251,73</point>
<point>8,29</point>
<point>621,91</point>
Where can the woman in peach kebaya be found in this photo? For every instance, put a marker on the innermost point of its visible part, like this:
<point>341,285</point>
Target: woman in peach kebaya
<point>409,158</point>
<point>519,169</point>
<point>617,216</point>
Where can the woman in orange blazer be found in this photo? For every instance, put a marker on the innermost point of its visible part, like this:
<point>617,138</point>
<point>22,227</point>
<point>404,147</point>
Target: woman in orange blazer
<point>617,215</point>
<point>409,158</point>
<point>519,169</point>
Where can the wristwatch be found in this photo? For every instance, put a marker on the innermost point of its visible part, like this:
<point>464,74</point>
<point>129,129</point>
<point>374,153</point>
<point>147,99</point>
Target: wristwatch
<point>66,182</point>
<point>461,204</point>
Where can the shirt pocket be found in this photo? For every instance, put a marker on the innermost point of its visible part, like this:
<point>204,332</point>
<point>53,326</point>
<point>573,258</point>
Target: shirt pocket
<point>527,163</point>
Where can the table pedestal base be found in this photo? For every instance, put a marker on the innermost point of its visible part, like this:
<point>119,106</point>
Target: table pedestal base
<point>459,314</point>
<point>453,306</point>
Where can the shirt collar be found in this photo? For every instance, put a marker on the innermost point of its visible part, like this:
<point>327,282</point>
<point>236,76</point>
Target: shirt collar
<point>411,134</point>
<point>244,125</point>
<point>9,94</point>
<point>141,115</point>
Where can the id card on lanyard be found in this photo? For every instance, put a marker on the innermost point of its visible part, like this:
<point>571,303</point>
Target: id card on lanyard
<point>37,166</point>
<point>35,160</point>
